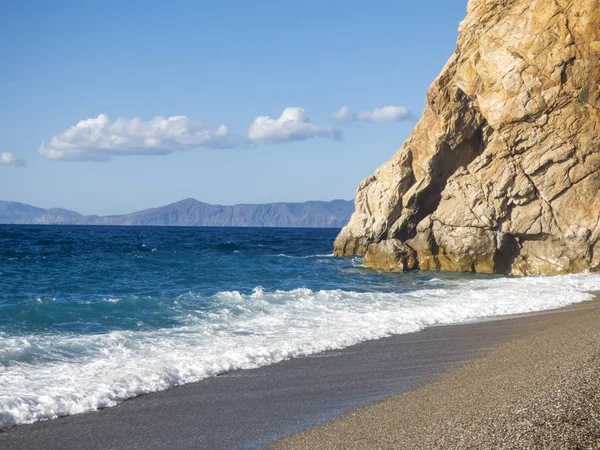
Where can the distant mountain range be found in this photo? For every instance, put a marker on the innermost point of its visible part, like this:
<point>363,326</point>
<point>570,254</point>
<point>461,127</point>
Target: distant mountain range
<point>190,212</point>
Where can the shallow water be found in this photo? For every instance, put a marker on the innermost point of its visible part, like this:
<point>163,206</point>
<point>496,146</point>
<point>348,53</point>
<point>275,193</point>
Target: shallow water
<point>91,316</point>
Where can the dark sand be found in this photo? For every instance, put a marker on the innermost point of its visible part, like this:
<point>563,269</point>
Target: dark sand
<point>249,409</point>
<point>540,391</point>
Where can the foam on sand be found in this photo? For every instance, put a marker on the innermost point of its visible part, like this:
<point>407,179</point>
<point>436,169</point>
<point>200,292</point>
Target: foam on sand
<point>44,376</point>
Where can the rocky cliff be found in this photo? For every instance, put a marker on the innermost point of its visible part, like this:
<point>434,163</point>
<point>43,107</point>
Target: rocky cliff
<point>502,172</point>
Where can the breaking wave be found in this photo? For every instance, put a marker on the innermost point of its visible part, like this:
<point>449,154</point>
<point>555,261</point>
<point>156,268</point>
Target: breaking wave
<point>47,375</point>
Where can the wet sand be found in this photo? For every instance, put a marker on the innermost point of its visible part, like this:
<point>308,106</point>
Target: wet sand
<point>250,409</point>
<point>541,390</point>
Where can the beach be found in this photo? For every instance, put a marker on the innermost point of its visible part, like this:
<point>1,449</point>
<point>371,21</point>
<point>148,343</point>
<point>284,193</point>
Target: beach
<point>252,408</point>
<point>541,390</point>
<point>402,254</point>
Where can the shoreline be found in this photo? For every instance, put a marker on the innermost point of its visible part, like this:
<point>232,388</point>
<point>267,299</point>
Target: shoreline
<point>251,408</point>
<point>539,390</point>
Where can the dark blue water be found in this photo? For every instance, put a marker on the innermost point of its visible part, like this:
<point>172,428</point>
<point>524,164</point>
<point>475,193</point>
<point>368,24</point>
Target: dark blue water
<point>59,278</point>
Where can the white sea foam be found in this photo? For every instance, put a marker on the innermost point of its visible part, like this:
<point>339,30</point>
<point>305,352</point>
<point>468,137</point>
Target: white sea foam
<point>46,376</point>
<point>283,255</point>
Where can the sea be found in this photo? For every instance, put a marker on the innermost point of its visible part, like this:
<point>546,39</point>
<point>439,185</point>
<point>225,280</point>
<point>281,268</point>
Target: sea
<point>93,316</point>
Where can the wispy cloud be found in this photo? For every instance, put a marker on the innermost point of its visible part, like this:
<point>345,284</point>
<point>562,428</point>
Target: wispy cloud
<point>100,138</point>
<point>292,125</point>
<point>9,159</point>
<point>386,114</point>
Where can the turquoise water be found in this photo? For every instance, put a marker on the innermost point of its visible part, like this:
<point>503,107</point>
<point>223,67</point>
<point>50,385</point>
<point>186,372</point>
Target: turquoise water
<point>99,279</point>
<point>91,316</point>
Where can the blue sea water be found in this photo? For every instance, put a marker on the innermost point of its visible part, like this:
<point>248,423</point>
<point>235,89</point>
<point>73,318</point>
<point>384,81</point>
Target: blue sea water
<point>91,316</point>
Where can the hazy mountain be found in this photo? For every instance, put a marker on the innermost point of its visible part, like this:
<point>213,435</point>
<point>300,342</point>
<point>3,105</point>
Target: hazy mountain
<point>190,212</point>
<point>15,212</point>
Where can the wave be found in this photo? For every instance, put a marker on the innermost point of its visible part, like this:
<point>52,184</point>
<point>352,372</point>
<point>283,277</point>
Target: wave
<point>45,376</point>
<point>283,255</point>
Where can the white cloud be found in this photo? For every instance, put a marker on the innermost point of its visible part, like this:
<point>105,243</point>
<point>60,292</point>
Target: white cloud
<point>293,125</point>
<point>8,159</point>
<point>100,138</point>
<point>343,114</point>
<point>381,115</point>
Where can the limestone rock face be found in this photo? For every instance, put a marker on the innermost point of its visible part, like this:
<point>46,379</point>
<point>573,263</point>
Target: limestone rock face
<point>502,172</point>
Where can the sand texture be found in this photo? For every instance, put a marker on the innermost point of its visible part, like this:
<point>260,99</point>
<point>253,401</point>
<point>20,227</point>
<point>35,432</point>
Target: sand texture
<point>538,391</point>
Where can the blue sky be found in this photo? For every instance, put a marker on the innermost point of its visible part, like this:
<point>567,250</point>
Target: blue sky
<point>206,64</point>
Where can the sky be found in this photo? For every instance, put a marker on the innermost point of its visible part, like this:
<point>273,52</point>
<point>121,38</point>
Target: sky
<point>112,107</point>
